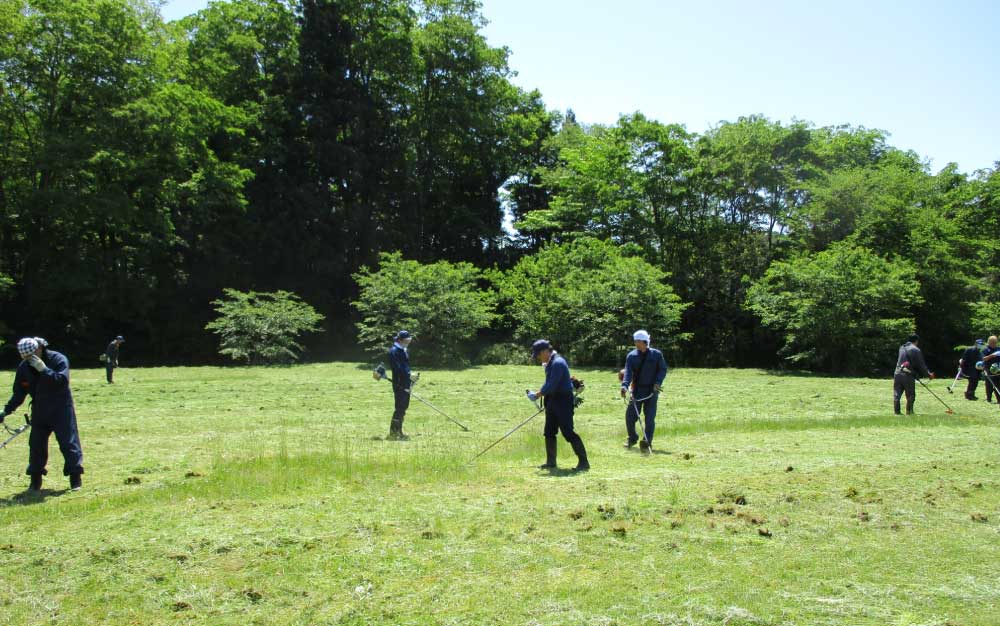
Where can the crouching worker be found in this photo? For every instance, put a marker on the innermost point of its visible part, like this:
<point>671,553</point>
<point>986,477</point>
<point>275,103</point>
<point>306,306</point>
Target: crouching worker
<point>43,374</point>
<point>557,394</point>
<point>645,369</point>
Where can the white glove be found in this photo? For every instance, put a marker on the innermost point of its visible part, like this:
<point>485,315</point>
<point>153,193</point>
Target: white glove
<point>532,395</point>
<point>36,362</point>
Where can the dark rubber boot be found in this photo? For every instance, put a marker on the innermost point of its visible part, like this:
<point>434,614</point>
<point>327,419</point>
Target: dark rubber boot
<point>396,431</point>
<point>36,482</point>
<point>75,482</point>
<point>582,464</point>
<point>550,453</point>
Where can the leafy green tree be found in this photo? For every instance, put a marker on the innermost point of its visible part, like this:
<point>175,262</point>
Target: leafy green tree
<point>262,327</point>
<point>113,161</point>
<point>840,310</point>
<point>588,296</point>
<point>896,207</point>
<point>977,214</point>
<point>469,131</point>
<point>440,302</point>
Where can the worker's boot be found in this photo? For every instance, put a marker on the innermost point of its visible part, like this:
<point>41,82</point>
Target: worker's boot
<point>550,453</point>
<point>582,464</point>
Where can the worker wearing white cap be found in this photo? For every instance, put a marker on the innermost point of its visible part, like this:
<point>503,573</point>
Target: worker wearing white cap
<point>43,374</point>
<point>645,369</point>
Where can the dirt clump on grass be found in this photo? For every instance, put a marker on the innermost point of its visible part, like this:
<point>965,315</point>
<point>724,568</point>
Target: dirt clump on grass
<point>751,518</point>
<point>253,595</point>
<point>734,496</point>
<point>133,480</point>
<point>979,517</point>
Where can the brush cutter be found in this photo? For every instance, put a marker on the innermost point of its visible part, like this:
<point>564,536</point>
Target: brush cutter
<point>992,379</point>
<point>936,397</point>
<point>379,374</point>
<point>958,376</point>
<point>14,432</point>
<point>538,405</point>
<point>644,445</point>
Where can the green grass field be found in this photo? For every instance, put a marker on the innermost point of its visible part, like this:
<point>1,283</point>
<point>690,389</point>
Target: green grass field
<point>267,496</point>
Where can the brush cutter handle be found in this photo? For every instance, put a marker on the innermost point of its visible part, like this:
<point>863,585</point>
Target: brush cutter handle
<point>634,399</point>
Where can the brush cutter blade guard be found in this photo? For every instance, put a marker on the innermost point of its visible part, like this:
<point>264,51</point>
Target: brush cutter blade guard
<point>14,432</point>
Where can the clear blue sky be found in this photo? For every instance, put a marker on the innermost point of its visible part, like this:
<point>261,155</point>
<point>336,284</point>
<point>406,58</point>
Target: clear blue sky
<point>926,71</point>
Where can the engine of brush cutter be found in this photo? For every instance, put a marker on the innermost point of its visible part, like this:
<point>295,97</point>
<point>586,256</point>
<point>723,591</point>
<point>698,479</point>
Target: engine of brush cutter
<point>578,388</point>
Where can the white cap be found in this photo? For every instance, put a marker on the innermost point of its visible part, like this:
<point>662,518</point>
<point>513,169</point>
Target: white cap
<point>27,346</point>
<point>640,335</point>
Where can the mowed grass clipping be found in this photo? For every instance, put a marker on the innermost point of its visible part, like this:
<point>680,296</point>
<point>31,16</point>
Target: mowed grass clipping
<point>268,496</point>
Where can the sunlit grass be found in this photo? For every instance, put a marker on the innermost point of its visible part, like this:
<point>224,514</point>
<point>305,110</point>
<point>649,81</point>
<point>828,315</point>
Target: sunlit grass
<point>269,496</point>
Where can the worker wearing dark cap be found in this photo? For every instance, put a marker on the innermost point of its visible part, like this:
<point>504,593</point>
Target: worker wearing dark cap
<point>557,394</point>
<point>399,361</point>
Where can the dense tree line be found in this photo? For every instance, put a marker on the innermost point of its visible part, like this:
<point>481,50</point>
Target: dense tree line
<point>258,144</point>
<point>821,246</point>
<point>272,145</point>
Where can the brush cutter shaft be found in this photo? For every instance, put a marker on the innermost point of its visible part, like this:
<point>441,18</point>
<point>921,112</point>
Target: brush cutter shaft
<point>15,431</point>
<point>450,418</point>
<point>936,397</point>
<point>379,374</point>
<point>992,379</point>
<point>958,375</point>
<point>512,431</point>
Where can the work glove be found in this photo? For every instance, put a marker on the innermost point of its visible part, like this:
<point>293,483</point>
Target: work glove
<point>656,388</point>
<point>35,362</point>
<point>532,395</point>
<point>624,391</point>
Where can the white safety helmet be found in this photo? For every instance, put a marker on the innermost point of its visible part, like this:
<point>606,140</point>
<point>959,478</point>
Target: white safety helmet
<point>640,335</point>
